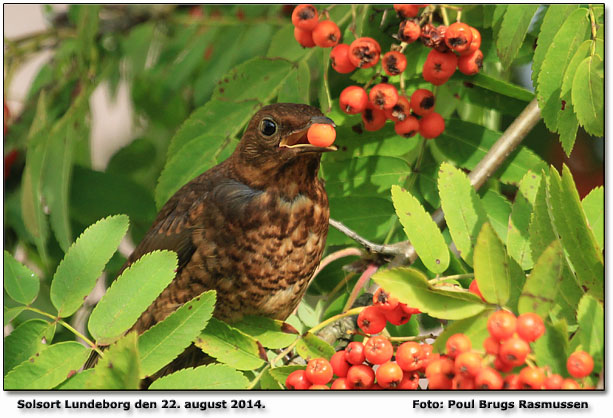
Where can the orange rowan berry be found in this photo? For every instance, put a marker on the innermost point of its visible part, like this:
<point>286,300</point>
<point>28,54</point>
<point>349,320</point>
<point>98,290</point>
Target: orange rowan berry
<point>326,34</point>
<point>304,17</point>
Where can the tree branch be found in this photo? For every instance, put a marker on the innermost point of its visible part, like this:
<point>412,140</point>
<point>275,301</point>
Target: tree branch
<point>403,251</point>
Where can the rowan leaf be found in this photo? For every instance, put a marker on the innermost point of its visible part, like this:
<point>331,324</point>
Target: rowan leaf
<point>271,333</point>
<point>588,95</point>
<point>280,373</point>
<point>311,346</point>
<point>541,287</point>
<point>211,377</point>
<point>593,207</point>
<point>21,284</point>
<point>567,40</point>
<point>29,338</point>
<point>571,225</point>
<point>464,213</point>
<point>163,342</point>
<point>518,236</point>
<point>131,294</point>
<point>411,286</point>
<point>47,369</point>
<point>421,230</point>
<point>492,267</point>
<point>84,262</point>
<point>475,328</point>
<point>119,368</point>
<point>513,30</point>
<point>590,316</point>
<point>498,210</point>
<point>551,349</point>
<point>230,346</point>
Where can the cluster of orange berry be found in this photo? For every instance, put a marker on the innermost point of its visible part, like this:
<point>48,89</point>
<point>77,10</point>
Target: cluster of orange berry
<point>309,31</point>
<point>367,365</point>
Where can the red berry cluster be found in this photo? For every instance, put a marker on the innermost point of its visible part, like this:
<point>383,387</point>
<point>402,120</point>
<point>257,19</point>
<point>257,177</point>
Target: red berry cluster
<point>309,31</point>
<point>385,308</point>
<point>368,365</point>
<point>410,114</point>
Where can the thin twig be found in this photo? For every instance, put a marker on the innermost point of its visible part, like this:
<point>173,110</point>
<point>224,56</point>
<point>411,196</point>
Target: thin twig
<point>370,270</point>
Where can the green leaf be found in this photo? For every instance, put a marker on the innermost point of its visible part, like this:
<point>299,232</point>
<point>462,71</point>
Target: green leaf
<point>517,279</point>
<point>498,210</point>
<point>25,341</point>
<point>296,88</point>
<point>567,298</point>
<point>571,225</point>
<point>593,206</point>
<point>229,345</point>
<point>34,217</point>
<point>163,342</point>
<point>513,30</point>
<point>280,373</point>
<point>48,369</point>
<point>76,275</point>
<point>119,368</point>
<point>12,313</point>
<point>518,236</point>
<point>20,282</point>
<point>567,119</point>
<point>464,213</point>
<point>421,230</point>
<point>211,377</point>
<point>565,43</point>
<point>475,328</point>
<point>271,333</point>
<point>131,294</point>
<point>267,382</point>
<point>365,176</point>
<point>498,86</point>
<point>542,284</point>
<point>284,45</point>
<point>492,267</point>
<point>311,346</point>
<point>590,316</point>
<point>541,230</point>
<point>411,286</point>
<point>466,144</point>
<point>370,217</point>
<point>551,350</point>
<point>588,95</point>
<point>552,21</point>
<point>78,381</point>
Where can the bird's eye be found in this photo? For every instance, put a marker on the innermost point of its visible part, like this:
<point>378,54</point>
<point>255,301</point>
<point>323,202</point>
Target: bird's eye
<point>268,127</point>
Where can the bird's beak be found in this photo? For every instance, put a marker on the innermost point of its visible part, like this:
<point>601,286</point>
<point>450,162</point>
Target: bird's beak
<point>298,139</point>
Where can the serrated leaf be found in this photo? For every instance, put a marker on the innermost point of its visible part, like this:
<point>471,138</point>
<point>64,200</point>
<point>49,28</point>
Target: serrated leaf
<point>21,284</point>
<point>515,24</point>
<point>267,382</point>
<point>280,373</point>
<point>421,230</point>
<point>542,284</point>
<point>119,368</point>
<point>517,279</point>
<point>518,236</point>
<point>48,369</point>
<point>571,34</point>
<point>78,381</point>
<point>499,86</point>
<point>211,377</point>
<point>588,95</point>
<point>590,316</point>
<point>593,207</point>
<point>498,210</point>
<point>370,217</point>
<point>466,144</point>
<point>83,263</point>
<point>229,345</point>
<point>25,341</point>
<point>311,346</point>
<point>551,349</point>
<point>12,313</point>
<point>492,267</point>
<point>464,213</point>
<point>541,230</point>
<point>271,333</point>
<point>163,342</point>
<point>475,328</point>
<point>567,298</point>
<point>552,21</point>
<point>577,239</point>
<point>411,286</point>
<point>128,297</point>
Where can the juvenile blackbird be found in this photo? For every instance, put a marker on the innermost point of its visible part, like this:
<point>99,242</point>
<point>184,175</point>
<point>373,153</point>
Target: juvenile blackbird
<point>253,228</point>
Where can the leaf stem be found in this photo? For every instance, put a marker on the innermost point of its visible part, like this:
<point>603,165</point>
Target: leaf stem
<point>370,270</point>
<point>350,312</point>
<point>413,338</point>
<point>258,377</point>
<point>68,327</point>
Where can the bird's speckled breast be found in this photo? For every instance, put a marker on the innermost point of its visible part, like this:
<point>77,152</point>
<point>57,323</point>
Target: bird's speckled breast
<point>277,244</point>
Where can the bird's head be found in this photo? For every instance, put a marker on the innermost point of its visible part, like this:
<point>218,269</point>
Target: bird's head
<point>275,141</point>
